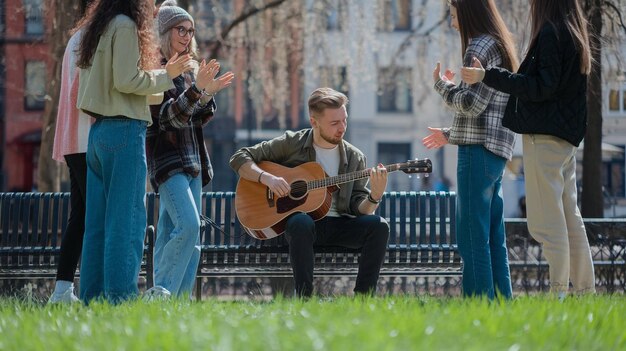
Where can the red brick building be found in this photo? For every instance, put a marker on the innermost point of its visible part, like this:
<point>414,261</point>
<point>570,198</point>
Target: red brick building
<point>23,76</point>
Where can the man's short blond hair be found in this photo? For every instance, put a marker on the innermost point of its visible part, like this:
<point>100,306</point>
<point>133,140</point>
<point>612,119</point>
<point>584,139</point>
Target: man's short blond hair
<point>323,98</point>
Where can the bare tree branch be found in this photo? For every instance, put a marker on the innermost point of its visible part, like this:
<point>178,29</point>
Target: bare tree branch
<point>414,34</point>
<point>617,12</point>
<point>219,42</point>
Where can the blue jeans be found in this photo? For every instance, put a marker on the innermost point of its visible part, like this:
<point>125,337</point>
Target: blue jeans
<point>480,223</point>
<point>115,219</point>
<point>177,247</point>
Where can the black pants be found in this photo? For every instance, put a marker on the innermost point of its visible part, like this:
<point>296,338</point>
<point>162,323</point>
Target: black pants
<point>368,233</point>
<point>72,243</point>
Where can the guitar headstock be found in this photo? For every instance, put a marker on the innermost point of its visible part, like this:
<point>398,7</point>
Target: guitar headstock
<point>417,166</point>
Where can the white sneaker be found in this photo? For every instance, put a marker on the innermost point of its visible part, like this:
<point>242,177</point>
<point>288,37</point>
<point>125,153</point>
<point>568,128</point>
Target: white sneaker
<point>66,296</point>
<point>156,293</point>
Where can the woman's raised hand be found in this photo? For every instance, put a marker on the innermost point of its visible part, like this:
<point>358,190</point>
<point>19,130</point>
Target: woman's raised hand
<point>473,74</point>
<point>435,139</point>
<point>205,79</point>
<point>177,65</point>
<point>448,75</point>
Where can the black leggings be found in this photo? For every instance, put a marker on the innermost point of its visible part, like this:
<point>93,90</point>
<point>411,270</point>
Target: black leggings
<point>72,243</point>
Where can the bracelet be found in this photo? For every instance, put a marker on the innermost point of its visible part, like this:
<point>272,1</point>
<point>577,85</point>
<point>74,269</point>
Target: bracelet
<point>202,92</point>
<point>207,94</point>
<point>260,175</point>
<point>370,199</point>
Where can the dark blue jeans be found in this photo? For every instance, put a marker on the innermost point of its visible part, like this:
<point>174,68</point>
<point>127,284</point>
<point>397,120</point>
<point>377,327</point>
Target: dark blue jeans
<point>480,223</point>
<point>367,233</point>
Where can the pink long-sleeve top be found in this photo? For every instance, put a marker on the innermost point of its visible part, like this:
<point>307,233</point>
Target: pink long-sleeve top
<point>72,127</point>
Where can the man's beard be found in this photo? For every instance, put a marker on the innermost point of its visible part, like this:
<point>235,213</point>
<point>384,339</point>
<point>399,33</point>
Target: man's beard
<point>331,139</point>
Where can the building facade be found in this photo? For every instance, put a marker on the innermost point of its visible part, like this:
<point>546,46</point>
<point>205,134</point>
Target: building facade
<point>381,53</point>
<point>23,78</point>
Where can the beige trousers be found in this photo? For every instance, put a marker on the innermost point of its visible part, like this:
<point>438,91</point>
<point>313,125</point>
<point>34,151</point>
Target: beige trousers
<point>553,216</point>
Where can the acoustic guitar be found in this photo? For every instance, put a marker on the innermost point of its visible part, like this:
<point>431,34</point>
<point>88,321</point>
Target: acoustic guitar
<point>263,215</point>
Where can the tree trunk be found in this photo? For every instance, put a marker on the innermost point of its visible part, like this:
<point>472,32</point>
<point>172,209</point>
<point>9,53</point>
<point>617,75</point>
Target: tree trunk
<point>592,205</point>
<point>64,13</point>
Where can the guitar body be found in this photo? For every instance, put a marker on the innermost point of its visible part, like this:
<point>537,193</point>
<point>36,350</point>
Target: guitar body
<point>263,215</point>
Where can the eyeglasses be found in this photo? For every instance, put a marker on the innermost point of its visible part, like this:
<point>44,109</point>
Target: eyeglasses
<point>182,31</point>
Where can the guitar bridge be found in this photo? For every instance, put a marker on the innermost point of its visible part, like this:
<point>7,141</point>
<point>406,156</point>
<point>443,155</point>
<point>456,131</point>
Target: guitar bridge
<point>269,195</point>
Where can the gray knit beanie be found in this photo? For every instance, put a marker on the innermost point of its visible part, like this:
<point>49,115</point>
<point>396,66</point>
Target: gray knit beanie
<point>170,15</point>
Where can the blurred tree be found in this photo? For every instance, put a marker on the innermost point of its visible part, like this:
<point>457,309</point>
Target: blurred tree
<point>598,12</point>
<point>63,15</point>
<point>238,28</point>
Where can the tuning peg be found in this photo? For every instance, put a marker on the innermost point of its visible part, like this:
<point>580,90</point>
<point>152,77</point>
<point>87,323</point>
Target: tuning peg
<point>426,175</point>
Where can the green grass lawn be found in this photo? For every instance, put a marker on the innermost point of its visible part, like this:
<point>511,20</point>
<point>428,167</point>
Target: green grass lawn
<point>393,323</point>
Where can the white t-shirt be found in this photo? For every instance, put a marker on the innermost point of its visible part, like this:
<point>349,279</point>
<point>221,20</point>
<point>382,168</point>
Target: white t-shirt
<point>329,159</point>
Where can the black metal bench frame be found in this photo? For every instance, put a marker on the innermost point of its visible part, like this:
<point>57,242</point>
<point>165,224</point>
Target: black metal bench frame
<point>422,242</point>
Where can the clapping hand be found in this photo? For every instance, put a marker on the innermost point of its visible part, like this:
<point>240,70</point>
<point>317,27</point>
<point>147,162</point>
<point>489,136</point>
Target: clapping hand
<point>205,79</point>
<point>177,65</point>
<point>447,77</point>
<point>473,74</point>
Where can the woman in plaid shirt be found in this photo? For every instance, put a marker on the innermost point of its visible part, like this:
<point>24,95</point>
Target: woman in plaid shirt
<point>484,147</point>
<point>178,161</point>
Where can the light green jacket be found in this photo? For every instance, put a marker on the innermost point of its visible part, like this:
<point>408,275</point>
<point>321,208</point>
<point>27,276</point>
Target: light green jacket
<point>114,85</point>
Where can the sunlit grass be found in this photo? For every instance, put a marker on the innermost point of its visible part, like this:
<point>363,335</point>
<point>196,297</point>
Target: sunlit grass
<point>394,323</point>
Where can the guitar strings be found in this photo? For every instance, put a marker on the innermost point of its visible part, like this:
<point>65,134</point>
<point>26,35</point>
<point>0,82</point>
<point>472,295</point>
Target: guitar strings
<point>342,178</point>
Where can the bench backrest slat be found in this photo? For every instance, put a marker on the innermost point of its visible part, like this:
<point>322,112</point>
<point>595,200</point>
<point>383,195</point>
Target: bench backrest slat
<point>36,215</point>
<point>452,217</point>
<point>20,240</point>
<point>422,216</point>
<point>403,218</point>
<point>412,218</point>
<point>393,220</point>
<point>432,212</point>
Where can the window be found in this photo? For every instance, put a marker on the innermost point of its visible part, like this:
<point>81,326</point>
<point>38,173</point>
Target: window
<point>395,15</point>
<point>2,24</point>
<point>389,153</point>
<point>35,85</point>
<point>335,14</point>
<point>614,100</point>
<point>33,10</point>
<point>394,90</point>
<point>617,100</point>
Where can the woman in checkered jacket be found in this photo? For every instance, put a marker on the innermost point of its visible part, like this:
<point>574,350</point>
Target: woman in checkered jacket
<point>178,160</point>
<point>484,147</point>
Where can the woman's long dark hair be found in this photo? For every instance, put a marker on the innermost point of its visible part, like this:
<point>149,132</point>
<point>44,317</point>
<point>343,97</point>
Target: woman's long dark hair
<point>97,18</point>
<point>477,17</point>
<point>567,12</point>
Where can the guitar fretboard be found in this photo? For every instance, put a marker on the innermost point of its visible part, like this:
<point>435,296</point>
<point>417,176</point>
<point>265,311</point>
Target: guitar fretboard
<point>347,177</point>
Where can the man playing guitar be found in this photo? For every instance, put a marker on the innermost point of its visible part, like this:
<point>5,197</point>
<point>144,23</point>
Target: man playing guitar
<point>350,221</point>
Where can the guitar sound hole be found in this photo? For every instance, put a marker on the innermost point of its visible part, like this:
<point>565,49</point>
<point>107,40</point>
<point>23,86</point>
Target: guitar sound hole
<point>298,189</point>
